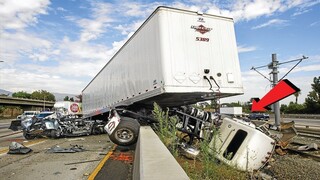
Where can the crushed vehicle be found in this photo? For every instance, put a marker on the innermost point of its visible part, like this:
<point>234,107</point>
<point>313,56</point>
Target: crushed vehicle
<point>27,114</point>
<point>194,60</point>
<point>16,124</point>
<point>55,125</point>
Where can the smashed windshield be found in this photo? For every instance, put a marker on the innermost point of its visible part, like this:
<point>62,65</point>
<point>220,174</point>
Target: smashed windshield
<point>42,115</point>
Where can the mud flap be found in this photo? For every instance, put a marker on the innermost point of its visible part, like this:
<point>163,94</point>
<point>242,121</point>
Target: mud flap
<point>15,125</point>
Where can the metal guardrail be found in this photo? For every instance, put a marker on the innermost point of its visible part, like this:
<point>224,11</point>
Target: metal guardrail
<point>303,116</point>
<point>307,126</point>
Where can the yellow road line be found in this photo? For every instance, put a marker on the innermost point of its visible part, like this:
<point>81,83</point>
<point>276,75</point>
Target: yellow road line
<point>29,143</point>
<point>100,165</point>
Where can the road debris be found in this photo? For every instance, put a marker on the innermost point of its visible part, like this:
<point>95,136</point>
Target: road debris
<point>80,162</point>
<point>73,149</point>
<point>312,146</point>
<point>17,148</point>
<point>76,139</point>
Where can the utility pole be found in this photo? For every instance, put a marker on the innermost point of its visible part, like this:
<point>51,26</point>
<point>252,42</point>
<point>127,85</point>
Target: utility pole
<point>275,72</point>
<point>274,81</point>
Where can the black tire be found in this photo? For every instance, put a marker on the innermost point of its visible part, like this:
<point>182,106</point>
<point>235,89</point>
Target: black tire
<point>55,134</point>
<point>28,136</point>
<point>126,133</point>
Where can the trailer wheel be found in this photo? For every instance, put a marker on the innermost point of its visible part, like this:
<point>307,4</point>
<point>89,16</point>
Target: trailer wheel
<point>126,133</point>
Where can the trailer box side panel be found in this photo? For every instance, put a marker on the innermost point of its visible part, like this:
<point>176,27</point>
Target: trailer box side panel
<point>131,72</point>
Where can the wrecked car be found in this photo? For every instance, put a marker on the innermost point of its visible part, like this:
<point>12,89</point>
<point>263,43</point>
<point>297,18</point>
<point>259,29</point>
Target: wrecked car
<point>55,125</point>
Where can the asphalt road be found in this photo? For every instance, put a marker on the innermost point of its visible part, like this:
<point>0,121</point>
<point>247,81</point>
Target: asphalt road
<point>41,164</point>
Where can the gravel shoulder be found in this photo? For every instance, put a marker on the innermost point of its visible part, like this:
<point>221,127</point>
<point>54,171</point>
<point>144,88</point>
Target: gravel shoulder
<point>294,166</point>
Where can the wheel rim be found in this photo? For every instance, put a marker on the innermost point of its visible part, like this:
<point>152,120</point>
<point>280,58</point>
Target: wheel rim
<point>124,135</point>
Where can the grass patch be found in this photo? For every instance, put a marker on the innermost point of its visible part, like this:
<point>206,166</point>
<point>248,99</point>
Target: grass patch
<point>205,166</point>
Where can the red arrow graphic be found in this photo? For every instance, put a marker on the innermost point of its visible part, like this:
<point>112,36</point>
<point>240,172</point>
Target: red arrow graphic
<point>282,90</point>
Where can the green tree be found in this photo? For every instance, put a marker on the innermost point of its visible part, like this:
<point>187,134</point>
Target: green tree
<point>296,94</point>
<point>2,108</point>
<point>66,98</point>
<point>43,95</point>
<point>293,108</point>
<point>283,108</point>
<point>21,94</point>
<point>71,99</point>
<point>313,99</point>
<point>79,97</point>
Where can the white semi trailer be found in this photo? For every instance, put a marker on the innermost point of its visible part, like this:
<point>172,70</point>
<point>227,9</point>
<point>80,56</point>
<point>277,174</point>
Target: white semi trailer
<point>176,57</point>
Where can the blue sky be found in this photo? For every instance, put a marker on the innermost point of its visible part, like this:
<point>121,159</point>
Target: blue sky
<point>59,46</point>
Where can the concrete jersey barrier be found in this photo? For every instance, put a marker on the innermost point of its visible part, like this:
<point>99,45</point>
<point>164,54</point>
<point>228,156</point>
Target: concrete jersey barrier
<point>153,160</point>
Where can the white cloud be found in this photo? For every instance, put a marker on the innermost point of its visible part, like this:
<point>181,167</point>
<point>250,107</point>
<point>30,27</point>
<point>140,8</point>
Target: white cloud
<point>245,10</point>
<point>38,57</point>
<point>272,22</point>
<point>181,5</point>
<point>37,81</point>
<point>300,12</point>
<point>82,51</point>
<point>243,49</point>
<point>94,27</point>
<point>61,9</point>
<point>15,14</point>
<point>134,9</point>
<point>16,44</point>
<point>315,23</point>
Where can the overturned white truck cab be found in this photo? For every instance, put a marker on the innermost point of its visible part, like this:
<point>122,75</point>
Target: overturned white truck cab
<point>242,146</point>
<point>175,58</point>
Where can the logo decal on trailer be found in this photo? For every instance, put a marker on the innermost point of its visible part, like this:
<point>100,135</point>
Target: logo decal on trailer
<point>200,19</point>
<point>201,29</point>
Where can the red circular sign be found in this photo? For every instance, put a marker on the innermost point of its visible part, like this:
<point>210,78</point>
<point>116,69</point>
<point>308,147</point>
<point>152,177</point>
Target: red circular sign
<point>74,108</point>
